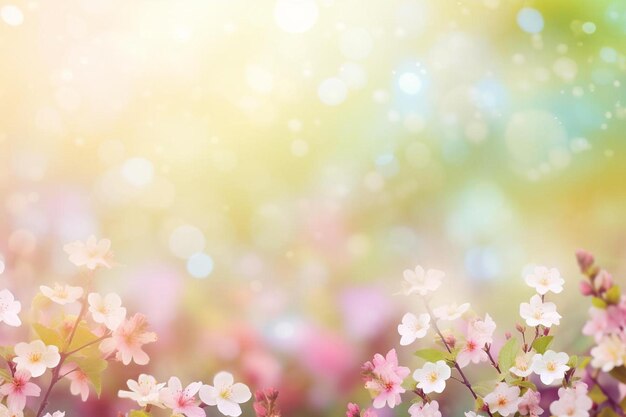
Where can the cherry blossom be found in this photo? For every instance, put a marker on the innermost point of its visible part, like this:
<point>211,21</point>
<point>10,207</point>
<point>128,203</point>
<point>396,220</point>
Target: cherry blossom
<point>128,339</point>
<point>9,309</point>
<point>182,401</point>
<point>609,353</point>
<point>55,414</point>
<point>529,404</point>
<point>482,330</point>
<point>451,311</point>
<point>427,409</point>
<point>413,328</point>
<point>226,394</point>
<point>544,280</point>
<point>503,399</point>
<point>92,254</point>
<point>419,281</point>
<point>432,376</point>
<point>18,389</point>
<point>383,377</point>
<point>522,366</point>
<point>6,412</point>
<point>36,357</point>
<point>144,391</point>
<point>62,294</point>
<point>550,366</point>
<point>107,310</point>
<point>79,381</point>
<point>471,351</point>
<point>572,402</point>
<point>539,313</point>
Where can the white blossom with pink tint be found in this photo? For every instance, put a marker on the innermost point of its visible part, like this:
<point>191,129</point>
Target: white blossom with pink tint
<point>6,412</point>
<point>79,381</point>
<point>107,310</point>
<point>504,399</point>
<point>429,409</point>
<point>471,351</point>
<point>182,401</point>
<point>529,404</point>
<point>226,394</point>
<point>55,414</point>
<point>413,327</point>
<point>420,281</point>
<point>522,366</point>
<point>539,313</point>
<point>609,353</point>
<point>544,280</point>
<point>432,376</point>
<point>451,311</point>
<point>36,357</point>
<point>551,366</point>
<point>17,389</point>
<point>482,330</point>
<point>144,391</point>
<point>9,309</point>
<point>128,340</point>
<point>383,378</point>
<point>572,402</point>
<point>62,294</point>
<point>92,254</point>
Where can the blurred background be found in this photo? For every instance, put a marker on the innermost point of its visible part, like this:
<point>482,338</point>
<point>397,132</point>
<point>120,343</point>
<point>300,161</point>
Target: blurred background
<point>267,169</point>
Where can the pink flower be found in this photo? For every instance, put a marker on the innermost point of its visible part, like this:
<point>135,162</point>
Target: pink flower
<point>383,377</point>
<point>79,381</point>
<point>572,402</point>
<point>18,389</point>
<point>471,352</point>
<point>182,401</point>
<point>353,410</point>
<point>430,409</point>
<point>128,340</point>
<point>529,404</point>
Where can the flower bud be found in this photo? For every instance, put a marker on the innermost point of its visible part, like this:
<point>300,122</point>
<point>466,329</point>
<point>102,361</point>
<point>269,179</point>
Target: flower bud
<point>507,335</point>
<point>585,288</point>
<point>271,394</point>
<point>546,331</point>
<point>585,260</point>
<point>520,328</point>
<point>353,410</point>
<point>450,340</point>
<point>260,409</point>
<point>603,281</point>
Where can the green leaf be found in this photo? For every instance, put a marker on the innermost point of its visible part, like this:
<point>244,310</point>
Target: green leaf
<point>542,343</point>
<point>598,302</point>
<point>5,375</point>
<point>619,374</point>
<point>138,413</point>
<point>524,383</point>
<point>583,362</point>
<point>479,404</point>
<point>7,352</point>
<point>48,336</point>
<point>432,355</point>
<point>573,361</point>
<point>596,395</point>
<point>506,357</point>
<point>613,295</point>
<point>82,337</point>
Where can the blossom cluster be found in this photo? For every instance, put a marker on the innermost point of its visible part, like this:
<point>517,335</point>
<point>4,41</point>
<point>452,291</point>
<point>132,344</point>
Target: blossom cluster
<point>78,332</point>
<point>524,367</point>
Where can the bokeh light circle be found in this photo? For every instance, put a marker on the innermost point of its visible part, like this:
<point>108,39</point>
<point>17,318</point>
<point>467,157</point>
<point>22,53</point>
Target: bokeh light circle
<point>410,83</point>
<point>12,15</point>
<point>138,171</point>
<point>530,20</point>
<point>186,240</point>
<point>200,265</point>
<point>332,91</point>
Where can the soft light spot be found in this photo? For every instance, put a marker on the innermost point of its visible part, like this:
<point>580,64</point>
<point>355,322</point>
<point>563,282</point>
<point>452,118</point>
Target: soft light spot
<point>355,43</point>
<point>12,15</point>
<point>299,147</point>
<point>530,20</point>
<point>589,28</point>
<point>259,79</point>
<point>186,240</point>
<point>138,171</point>
<point>410,83</point>
<point>296,16</point>
<point>200,265</point>
<point>332,91</point>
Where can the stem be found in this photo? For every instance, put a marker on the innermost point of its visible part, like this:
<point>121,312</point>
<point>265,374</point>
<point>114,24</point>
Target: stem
<point>493,362</point>
<point>614,405</point>
<point>101,338</point>
<point>465,381</point>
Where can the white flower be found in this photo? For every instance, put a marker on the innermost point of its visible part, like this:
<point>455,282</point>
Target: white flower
<point>610,353</point>
<point>55,414</point>
<point>504,399</point>
<point>144,391</point>
<point>36,357</point>
<point>9,309</point>
<point>62,294</point>
<point>225,394</point>
<point>544,280</point>
<point>539,313</point>
<point>429,409</point>
<point>550,366</point>
<point>432,376</point>
<point>572,402</point>
<point>107,310</point>
<point>92,254</point>
<point>523,365</point>
<point>472,414</point>
<point>413,328</point>
<point>6,412</point>
<point>420,281</point>
<point>482,330</point>
<point>451,311</point>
